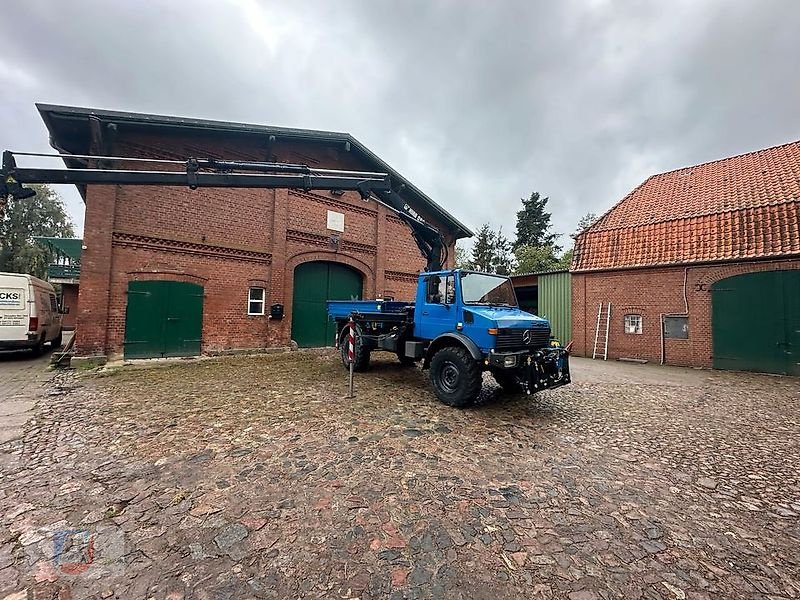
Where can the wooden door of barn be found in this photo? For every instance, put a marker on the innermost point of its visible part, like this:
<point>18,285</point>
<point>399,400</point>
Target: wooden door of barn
<point>314,284</point>
<point>163,318</point>
<point>755,322</point>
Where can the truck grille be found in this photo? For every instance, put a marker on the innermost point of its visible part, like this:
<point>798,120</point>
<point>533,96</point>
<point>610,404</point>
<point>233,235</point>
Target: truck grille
<point>514,339</point>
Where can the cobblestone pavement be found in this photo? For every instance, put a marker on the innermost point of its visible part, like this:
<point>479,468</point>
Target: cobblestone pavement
<point>252,477</point>
<point>21,378</point>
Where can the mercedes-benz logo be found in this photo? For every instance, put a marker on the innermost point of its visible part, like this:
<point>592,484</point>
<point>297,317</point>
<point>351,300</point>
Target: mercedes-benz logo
<point>526,337</point>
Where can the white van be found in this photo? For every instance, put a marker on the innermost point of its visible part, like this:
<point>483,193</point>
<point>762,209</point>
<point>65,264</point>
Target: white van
<point>29,313</point>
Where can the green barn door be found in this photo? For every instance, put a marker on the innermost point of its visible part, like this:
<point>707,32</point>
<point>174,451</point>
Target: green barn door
<point>755,322</point>
<point>163,318</point>
<point>314,283</point>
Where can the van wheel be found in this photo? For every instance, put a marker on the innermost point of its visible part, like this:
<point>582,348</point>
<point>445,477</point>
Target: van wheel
<point>456,376</point>
<point>38,349</point>
<point>58,340</point>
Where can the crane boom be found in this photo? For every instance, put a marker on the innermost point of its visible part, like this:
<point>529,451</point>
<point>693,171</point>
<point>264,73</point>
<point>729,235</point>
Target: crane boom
<point>208,172</point>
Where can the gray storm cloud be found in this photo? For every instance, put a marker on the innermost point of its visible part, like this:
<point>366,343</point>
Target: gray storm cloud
<point>479,104</point>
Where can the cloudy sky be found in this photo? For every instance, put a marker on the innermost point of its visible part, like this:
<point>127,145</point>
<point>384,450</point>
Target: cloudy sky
<point>477,103</point>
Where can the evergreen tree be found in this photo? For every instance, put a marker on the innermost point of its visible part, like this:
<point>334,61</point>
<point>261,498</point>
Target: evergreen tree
<point>503,260</point>
<point>483,249</point>
<point>533,224</point>
<point>40,215</point>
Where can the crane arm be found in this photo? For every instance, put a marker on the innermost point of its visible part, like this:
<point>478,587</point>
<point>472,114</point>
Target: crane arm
<point>196,173</point>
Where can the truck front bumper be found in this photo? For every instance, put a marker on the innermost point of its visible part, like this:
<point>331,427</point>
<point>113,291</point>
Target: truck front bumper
<point>536,370</point>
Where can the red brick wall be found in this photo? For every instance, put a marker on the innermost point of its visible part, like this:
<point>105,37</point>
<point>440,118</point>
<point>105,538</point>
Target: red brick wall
<point>69,299</point>
<point>651,292</point>
<point>228,240</point>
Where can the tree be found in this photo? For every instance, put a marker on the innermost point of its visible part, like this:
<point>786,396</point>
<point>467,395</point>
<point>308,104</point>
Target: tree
<point>533,224</point>
<point>483,249</point>
<point>565,261</point>
<point>40,215</point>
<point>534,259</point>
<point>503,259</point>
<point>584,223</point>
<point>491,252</point>
<point>462,256</point>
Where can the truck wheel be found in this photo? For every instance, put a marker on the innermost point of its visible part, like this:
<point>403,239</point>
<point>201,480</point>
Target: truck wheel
<point>508,382</point>
<point>361,353</point>
<point>456,376</point>
<point>56,343</point>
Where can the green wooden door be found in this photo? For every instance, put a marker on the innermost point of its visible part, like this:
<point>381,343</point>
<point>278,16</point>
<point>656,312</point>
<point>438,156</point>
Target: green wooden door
<point>314,283</point>
<point>163,318</point>
<point>755,322</point>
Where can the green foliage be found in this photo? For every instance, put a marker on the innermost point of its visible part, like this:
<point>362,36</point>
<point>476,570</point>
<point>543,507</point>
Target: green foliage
<point>491,252</point>
<point>483,249</point>
<point>534,259</point>
<point>565,261</point>
<point>533,224</point>
<point>503,259</point>
<point>41,215</point>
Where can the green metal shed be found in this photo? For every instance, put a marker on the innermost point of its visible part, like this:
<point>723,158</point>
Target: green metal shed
<point>548,294</point>
<point>555,303</point>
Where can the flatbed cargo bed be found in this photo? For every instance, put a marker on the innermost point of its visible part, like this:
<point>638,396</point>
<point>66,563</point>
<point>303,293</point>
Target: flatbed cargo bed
<point>370,310</point>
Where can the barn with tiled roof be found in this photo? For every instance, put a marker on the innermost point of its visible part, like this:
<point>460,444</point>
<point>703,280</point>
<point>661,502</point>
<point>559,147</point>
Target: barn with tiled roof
<point>700,266</point>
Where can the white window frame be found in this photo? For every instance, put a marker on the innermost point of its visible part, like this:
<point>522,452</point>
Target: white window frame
<point>634,324</point>
<point>251,300</point>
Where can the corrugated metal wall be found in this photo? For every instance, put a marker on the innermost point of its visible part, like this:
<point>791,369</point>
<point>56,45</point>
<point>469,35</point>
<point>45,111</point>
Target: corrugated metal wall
<point>555,303</point>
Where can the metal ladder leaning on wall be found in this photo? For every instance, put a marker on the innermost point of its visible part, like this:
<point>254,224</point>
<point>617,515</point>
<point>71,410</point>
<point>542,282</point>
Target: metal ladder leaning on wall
<point>598,343</point>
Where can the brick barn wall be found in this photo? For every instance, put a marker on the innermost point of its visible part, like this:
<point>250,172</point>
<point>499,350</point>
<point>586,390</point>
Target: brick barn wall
<point>228,240</point>
<point>651,292</point>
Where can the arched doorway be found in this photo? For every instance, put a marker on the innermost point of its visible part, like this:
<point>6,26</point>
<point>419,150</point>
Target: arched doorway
<point>755,322</point>
<point>314,284</point>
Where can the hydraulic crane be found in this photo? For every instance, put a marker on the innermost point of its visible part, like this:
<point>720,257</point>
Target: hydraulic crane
<point>208,172</point>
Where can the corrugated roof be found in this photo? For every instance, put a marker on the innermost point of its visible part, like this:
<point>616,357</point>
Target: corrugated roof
<point>742,207</point>
<point>70,247</point>
<point>411,193</point>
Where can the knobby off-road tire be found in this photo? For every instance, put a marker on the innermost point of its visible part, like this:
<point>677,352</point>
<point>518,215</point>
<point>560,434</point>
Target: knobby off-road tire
<point>456,376</point>
<point>508,383</point>
<point>361,353</point>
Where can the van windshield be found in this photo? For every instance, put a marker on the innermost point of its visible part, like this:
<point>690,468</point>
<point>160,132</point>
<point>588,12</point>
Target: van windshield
<point>483,288</point>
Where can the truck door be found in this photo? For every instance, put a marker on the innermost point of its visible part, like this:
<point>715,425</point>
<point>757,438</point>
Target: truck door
<point>438,313</point>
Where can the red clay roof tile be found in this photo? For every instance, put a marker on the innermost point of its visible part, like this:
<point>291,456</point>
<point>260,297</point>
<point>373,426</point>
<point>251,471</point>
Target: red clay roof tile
<point>746,206</point>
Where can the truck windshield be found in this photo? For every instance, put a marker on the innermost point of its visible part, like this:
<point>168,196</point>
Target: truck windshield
<point>482,288</point>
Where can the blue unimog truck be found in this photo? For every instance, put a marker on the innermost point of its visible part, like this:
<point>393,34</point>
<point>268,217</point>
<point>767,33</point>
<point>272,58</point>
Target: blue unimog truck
<point>462,323</point>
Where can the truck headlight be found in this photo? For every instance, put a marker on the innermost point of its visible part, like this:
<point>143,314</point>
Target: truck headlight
<point>510,361</point>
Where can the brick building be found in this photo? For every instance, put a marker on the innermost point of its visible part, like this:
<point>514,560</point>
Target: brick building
<point>701,266</point>
<point>171,271</point>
